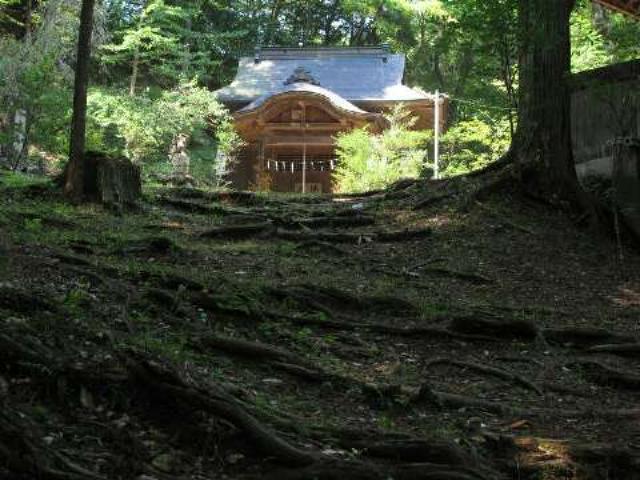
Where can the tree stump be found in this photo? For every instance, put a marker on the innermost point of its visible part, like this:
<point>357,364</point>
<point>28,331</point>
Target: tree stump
<point>114,182</point>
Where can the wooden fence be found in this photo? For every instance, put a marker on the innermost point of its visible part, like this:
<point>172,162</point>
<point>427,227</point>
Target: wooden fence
<point>606,131</point>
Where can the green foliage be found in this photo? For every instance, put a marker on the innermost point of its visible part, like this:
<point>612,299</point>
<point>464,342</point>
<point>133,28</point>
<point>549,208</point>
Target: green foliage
<point>600,37</point>
<point>467,48</point>
<point>167,41</point>
<point>18,181</point>
<point>371,161</point>
<point>151,39</point>
<point>589,46</point>
<point>36,81</point>
<point>144,127</point>
<point>472,144</point>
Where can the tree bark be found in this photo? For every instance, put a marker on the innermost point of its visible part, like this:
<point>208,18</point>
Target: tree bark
<point>28,21</point>
<point>542,142</point>
<point>74,181</point>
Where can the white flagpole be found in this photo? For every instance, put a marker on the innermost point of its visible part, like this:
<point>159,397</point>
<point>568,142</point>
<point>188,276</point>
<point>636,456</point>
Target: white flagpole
<point>436,137</point>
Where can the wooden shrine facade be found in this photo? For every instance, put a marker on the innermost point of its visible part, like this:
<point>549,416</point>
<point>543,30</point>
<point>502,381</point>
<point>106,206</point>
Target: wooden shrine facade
<point>289,105</point>
<point>291,141</point>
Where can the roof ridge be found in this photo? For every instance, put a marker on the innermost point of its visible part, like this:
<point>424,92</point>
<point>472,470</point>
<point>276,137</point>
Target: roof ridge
<point>298,52</point>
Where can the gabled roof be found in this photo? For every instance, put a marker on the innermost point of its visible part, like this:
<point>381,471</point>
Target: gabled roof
<point>305,89</point>
<point>355,74</point>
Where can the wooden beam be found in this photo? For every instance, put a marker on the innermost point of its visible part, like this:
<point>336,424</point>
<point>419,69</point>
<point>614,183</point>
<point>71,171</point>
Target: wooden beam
<point>298,140</point>
<point>307,127</point>
<point>629,7</point>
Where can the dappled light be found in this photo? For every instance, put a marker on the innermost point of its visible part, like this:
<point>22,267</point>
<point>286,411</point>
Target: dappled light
<point>627,296</point>
<point>319,240</point>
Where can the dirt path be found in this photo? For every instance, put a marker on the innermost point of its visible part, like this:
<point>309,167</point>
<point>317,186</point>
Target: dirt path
<point>242,336</point>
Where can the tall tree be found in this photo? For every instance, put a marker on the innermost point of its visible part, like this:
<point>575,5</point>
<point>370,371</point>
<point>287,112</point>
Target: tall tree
<point>75,181</point>
<point>543,140</point>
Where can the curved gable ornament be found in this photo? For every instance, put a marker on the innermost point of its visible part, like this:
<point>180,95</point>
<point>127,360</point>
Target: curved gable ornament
<point>301,75</point>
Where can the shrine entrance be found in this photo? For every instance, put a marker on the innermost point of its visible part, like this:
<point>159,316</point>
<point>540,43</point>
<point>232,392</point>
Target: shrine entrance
<point>291,139</point>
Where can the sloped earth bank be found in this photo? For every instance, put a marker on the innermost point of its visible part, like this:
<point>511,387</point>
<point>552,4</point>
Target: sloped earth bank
<point>429,332</point>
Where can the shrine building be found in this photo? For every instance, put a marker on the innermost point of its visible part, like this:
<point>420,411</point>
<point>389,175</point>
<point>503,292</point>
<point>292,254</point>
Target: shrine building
<point>289,104</point>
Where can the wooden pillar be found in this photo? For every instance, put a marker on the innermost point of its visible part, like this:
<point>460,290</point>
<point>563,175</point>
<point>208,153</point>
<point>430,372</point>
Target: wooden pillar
<point>304,147</point>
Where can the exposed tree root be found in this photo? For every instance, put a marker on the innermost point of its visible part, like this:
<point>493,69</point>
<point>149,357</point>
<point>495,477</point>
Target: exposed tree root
<point>341,470</point>
<point>239,232</point>
<point>516,359</point>
<point>497,327</point>
<point>224,304</point>
<point>26,456</point>
<point>421,332</point>
<point>320,246</point>
<point>582,336</point>
<point>532,309</point>
<point>563,389</point>
<point>403,235</point>
<point>622,349</point>
<point>271,229</point>
<point>69,259</point>
<point>151,245</point>
<point>238,197</point>
<point>27,351</point>
<point>88,274</point>
<point>490,184</point>
<point>191,207</point>
<point>16,299</point>
<point>353,238</point>
<point>457,274</point>
<point>305,373</point>
<point>328,300</point>
<point>504,219</point>
<point>160,379</point>
<point>168,385</point>
<point>452,400</point>
<point>413,450</point>
<point>604,375</point>
<point>175,282</point>
<point>487,370</point>
<point>337,221</point>
<point>433,200</point>
<point>253,350</point>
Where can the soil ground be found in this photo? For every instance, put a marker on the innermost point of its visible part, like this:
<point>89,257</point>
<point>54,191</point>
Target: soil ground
<point>211,336</point>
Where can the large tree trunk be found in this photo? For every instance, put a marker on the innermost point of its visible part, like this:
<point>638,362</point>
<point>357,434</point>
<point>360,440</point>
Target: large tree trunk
<point>543,138</point>
<point>75,182</point>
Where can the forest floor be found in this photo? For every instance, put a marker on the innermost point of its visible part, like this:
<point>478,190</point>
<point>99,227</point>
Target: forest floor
<point>411,334</point>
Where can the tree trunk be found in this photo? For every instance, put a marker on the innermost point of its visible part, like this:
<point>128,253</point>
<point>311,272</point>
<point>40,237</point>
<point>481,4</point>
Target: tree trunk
<point>74,181</point>
<point>543,137</point>
<point>544,127</point>
<point>20,140</point>
<point>133,80</point>
<point>28,21</point>
<point>135,64</point>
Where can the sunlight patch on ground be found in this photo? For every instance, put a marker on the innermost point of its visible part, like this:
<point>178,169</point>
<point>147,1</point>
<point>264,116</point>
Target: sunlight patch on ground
<point>627,296</point>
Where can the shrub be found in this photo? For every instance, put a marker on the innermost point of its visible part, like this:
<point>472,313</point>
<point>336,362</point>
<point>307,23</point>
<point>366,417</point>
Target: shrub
<point>472,144</point>
<point>143,128</point>
<point>371,161</point>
